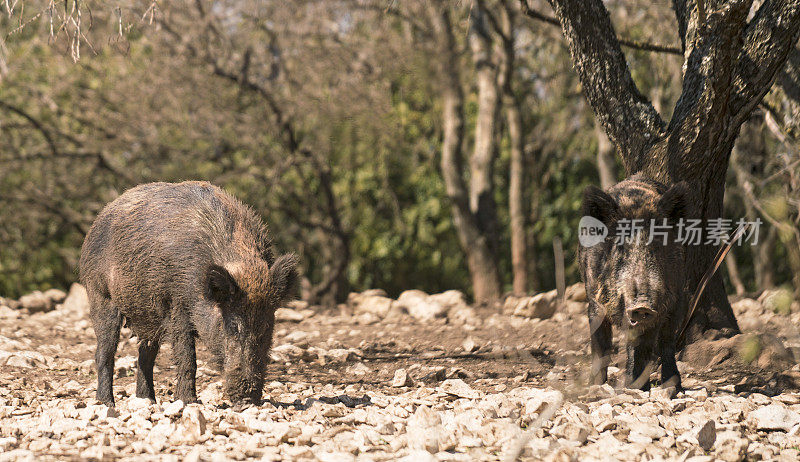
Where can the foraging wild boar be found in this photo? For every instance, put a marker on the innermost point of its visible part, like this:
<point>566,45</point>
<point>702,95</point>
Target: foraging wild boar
<point>181,261</point>
<point>637,285</point>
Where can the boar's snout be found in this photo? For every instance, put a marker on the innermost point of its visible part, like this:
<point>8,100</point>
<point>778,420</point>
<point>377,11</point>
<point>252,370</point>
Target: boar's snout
<point>640,315</point>
<point>242,389</point>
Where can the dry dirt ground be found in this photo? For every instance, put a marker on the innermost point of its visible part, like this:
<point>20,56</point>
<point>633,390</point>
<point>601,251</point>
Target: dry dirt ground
<point>420,378</point>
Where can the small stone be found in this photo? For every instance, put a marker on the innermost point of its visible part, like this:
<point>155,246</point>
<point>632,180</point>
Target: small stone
<point>773,417</point>
<point>663,393</point>
<point>418,455</point>
<point>107,412</point>
<point>77,301</point>
<point>700,459</point>
<point>94,453</point>
<point>469,345</point>
<point>19,361</point>
<point>72,387</point>
<point>359,369</point>
<point>6,444</point>
<point>193,455</point>
<point>342,355</point>
<point>421,306</point>
<point>458,387</point>
<point>194,422</point>
<point>174,408</point>
<point>374,302</point>
<point>541,306</point>
<point>423,430</point>
<point>134,403</point>
<point>402,379</point>
<point>571,431</point>
<point>637,438</point>
<point>8,313</point>
<point>36,302</point>
<point>651,431</point>
<point>55,295</point>
<point>707,435</point>
<point>288,315</point>
<point>386,428</point>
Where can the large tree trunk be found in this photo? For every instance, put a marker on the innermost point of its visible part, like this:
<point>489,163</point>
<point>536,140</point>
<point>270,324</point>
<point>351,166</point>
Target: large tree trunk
<point>729,65</point>
<point>481,261</point>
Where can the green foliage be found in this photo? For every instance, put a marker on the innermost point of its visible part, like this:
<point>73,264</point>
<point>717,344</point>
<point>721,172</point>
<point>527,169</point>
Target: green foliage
<point>364,101</point>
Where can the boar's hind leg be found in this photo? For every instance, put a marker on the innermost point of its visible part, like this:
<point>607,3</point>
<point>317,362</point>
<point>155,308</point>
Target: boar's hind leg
<point>148,349</point>
<point>183,348</point>
<point>107,321</point>
<point>601,346</point>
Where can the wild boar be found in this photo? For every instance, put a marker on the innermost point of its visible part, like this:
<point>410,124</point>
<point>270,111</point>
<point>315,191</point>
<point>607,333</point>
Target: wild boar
<point>635,283</point>
<point>180,261</point>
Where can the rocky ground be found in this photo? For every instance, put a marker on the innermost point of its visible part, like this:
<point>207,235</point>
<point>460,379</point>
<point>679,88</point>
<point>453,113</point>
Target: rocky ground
<point>418,378</point>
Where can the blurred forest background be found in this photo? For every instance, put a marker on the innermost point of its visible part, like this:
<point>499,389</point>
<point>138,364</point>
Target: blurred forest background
<point>390,143</point>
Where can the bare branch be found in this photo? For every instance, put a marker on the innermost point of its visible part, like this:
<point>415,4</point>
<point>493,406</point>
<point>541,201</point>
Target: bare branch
<point>768,39</point>
<point>36,124</point>
<point>628,118</point>
<point>626,42</point>
<point>681,16</point>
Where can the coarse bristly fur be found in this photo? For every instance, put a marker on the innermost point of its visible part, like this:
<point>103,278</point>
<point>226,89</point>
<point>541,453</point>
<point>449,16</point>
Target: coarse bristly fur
<point>624,281</point>
<point>177,261</point>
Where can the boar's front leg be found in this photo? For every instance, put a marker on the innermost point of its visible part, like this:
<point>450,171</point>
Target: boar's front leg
<point>148,350</point>
<point>107,321</point>
<point>670,377</point>
<point>601,344</point>
<point>639,365</point>
<point>184,356</point>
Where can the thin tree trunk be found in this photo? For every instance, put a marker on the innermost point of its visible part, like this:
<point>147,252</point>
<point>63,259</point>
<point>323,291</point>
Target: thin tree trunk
<point>763,266</point>
<point>481,262</point>
<point>516,202</point>
<point>733,273</point>
<point>516,170</point>
<point>605,159</point>
<point>481,163</point>
<point>533,269</point>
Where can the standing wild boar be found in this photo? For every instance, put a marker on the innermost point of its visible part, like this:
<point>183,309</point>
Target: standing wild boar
<point>636,285</point>
<point>177,262</point>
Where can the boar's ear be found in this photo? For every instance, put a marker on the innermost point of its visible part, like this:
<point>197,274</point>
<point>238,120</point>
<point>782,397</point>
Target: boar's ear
<point>283,277</point>
<point>673,203</point>
<point>598,204</point>
<point>220,285</point>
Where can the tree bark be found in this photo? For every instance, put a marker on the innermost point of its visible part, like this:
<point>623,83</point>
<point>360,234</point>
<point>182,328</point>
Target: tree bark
<point>481,262</point>
<point>729,65</point>
<point>481,163</point>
